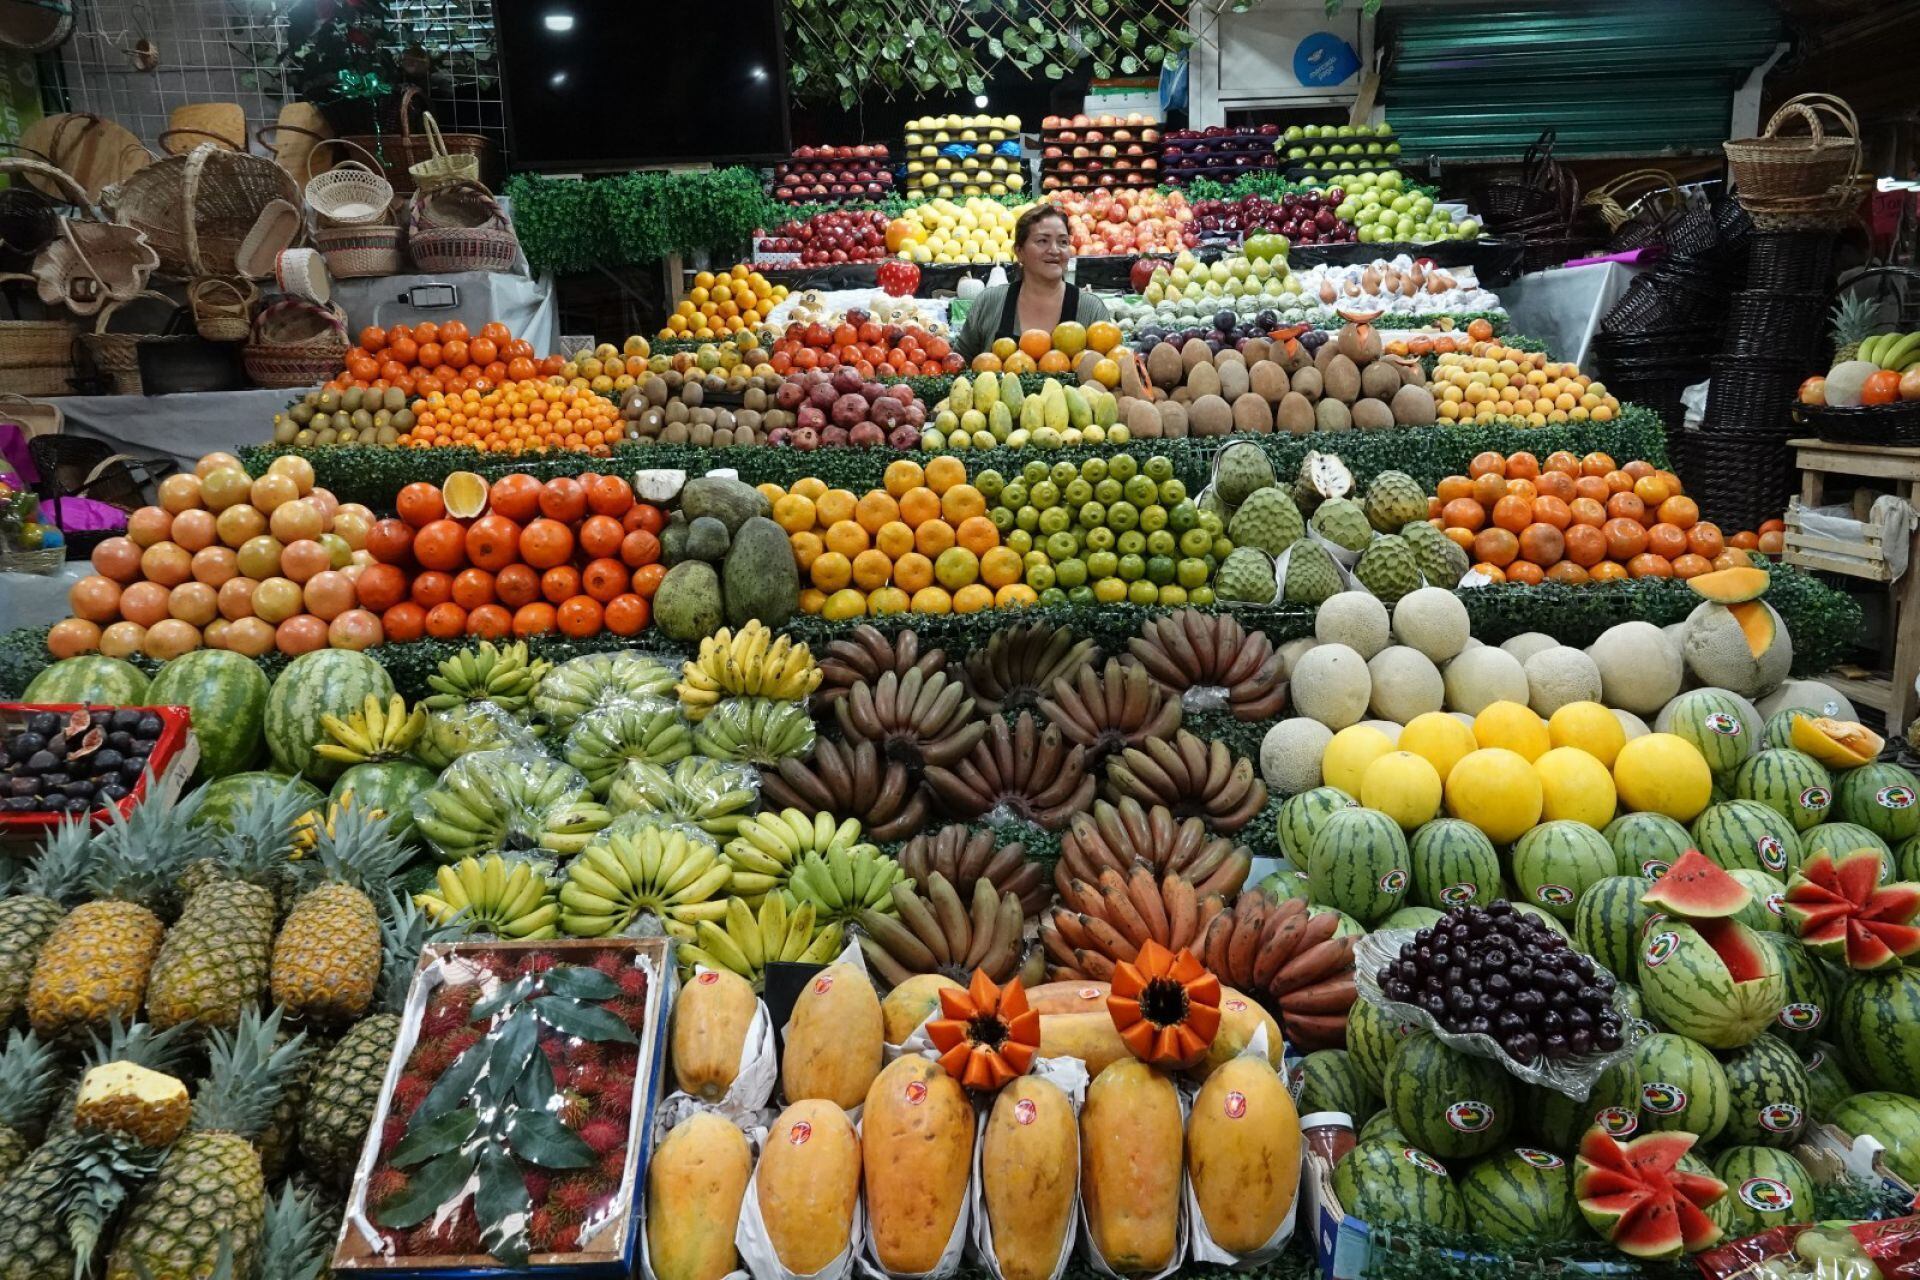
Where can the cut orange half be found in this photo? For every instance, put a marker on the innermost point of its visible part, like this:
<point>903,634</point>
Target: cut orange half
<point>465,494</point>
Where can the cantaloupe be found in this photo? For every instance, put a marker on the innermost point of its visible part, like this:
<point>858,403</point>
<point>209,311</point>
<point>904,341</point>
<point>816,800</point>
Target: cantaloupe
<point>710,1021</point>
<point>916,1154</point>
<point>1290,754</point>
<point>1131,1144</point>
<point>1243,1154</point>
<point>808,1184</point>
<point>1741,647</point>
<point>835,1039</point>
<point>1731,586</point>
<point>911,1003</point>
<point>1838,744</point>
<point>1029,1175</point>
<point>1356,619</point>
<point>696,1180</point>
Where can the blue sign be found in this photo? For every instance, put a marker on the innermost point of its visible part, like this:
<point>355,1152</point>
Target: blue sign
<point>1324,59</point>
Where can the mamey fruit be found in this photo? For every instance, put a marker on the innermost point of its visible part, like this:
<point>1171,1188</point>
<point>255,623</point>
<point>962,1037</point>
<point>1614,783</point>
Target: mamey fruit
<point>1131,1143</point>
<point>808,1184</point>
<point>916,1152</point>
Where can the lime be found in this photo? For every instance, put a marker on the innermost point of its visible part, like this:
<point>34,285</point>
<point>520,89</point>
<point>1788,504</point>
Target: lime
<point>1173,596</point>
<point>1034,556</point>
<point>1123,516</point>
<point>1027,517</point>
<point>1103,564</point>
<point>1064,473</point>
<point>1070,573</point>
<point>1162,543</point>
<point>1053,595</point>
<point>1054,519</point>
<point>1143,592</point>
<point>1100,539</point>
<point>989,483</point>
<point>1182,516</point>
<point>1045,493</point>
<point>1076,493</point>
<point>1191,572</point>
<point>1141,491</point>
<point>1172,491</point>
<point>1160,467</point>
<point>1109,490</point>
<point>1014,495</point>
<point>1121,466</point>
<point>1130,543</point>
<point>1132,568</point>
<point>1211,522</point>
<point>1040,576</point>
<point>1002,518</point>
<point>1018,540</point>
<point>1159,570</point>
<point>1034,472</point>
<point>1061,546</point>
<point>1153,517</point>
<point>1222,548</point>
<point>1092,516</point>
<point>1093,470</point>
<point>1082,594</point>
<point>1200,596</point>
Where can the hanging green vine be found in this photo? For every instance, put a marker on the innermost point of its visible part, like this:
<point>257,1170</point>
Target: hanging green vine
<point>838,50</point>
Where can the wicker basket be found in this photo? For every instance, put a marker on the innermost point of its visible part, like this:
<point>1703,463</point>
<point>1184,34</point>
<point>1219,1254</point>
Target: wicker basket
<point>92,264</point>
<point>398,154</point>
<point>1743,478</point>
<point>36,356</point>
<point>1835,209</point>
<point>443,166</point>
<point>223,310</point>
<point>460,227</point>
<point>36,27</point>
<point>29,217</point>
<point>198,209</point>
<point>350,194</point>
<point>34,418</point>
<point>1660,201</point>
<point>296,343</point>
<point>224,124</point>
<point>1772,167</point>
<point>96,151</point>
<point>1892,424</point>
<point>353,252</point>
<point>116,356</point>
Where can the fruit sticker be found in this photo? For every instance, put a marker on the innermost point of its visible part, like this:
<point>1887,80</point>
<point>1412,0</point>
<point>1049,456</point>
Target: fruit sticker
<point>1777,903</point>
<point>801,1131</point>
<point>1894,797</point>
<point>1554,895</point>
<point>822,984</point>
<point>1816,798</point>
<point>1025,1112</point>
<point>1235,1106</point>
<point>1660,949</point>
<point>1801,1017</point>
<point>1663,1099</point>
<point>708,978</point>
<point>1421,1160</point>
<point>1766,1195</point>
<point>1395,881</point>
<point>916,1092</point>
<point>1648,925</point>
<point>1653,868</point>
<point>1539,1159</point>
<point>1459,895</point>
<point>1236,1006</point>
<point>1469,1117</point>
<point>1773,854</point>
<point>1779,1117</point>
<point>1725,725</point>
<point>1089,993</point>
<point>1616,1122</point>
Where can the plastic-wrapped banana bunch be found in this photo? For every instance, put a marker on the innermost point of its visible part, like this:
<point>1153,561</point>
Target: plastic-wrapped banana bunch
<point>505,897</point>
<point>755,731</point>
<point>635,868</point>
<point>472,726</point>
<point>712,795</point>
<point>648,730</point>
<point>578,685</point>
<point>508,801</point>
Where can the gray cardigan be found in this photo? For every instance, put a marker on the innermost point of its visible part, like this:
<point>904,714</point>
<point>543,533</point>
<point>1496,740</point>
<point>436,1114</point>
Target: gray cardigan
<point>983,318</point>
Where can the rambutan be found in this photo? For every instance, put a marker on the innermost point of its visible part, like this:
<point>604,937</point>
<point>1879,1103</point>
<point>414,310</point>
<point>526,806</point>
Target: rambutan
<point>537,962</point>
<point>630,1011</point>
<point>613,1164</point>
<point>589,1053</point>
<point>408,1094</point>
<point>567,1239</point>
<point>448,1010</point>
<point>614,1104</point>
<point>587,1077</point>
<point>618,1084</point>
<point>464,1039</point>
<point>574,1109</point>
<point>555,1051</point>
<point>386,1183</point>
<point>622,1057</point>
<point>633,983</point>
<point>430,1058</point>
<point>611,963</point>
<point>539,1183</point>
<point>543,1228</point>
<point>575,1195</point>
<point>391,1132</point>
<point>459,1234</point>
<point>603,1135</point>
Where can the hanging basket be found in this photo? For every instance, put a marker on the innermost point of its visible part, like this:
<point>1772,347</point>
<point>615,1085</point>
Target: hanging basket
<point>355,252</point>
<point>222,124</point>
<point>350,194</point>
<point>1774,167</point>
<point>96,151</point>
<point>291,139</point>
<point>198,209</point>
<point>222,309</point>
<point>117,355</point>
<point>296,343</point>
<point>1834,209</point>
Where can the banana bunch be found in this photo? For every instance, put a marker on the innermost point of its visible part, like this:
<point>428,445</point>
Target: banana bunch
<point>1034,772</point>
<point>1193,650</point>
<point>923,719</point>
<point>710,794</point>
<point>650,731</point>
<point>862,654</point>
<point>749,939</point>
<point>854,778</point>
<point>493,800</point>
<point>1106,923</point>
<point>1191,776</point>
<point>941,933</point>
<point>841,886</point>
<point>505,677</point>
<point>964,855</point>
<point>636,867</point>
<point>506,898</point>
<point>1897,351</point>
<point>748,662</point>
<point>578,685</point>
<point>1020,663</point>
<point>755,731</point>
<point>1110,710</point>
<point>1118,836</point>
<point>770,845</point>
<point>372,733</point>
<point>472,726</point>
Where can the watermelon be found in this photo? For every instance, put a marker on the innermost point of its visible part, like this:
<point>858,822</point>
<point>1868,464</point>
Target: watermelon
<point>1453,864</point>
<point>1380,1125</point>
<point>1358,864</point>
<point>389,786</point>
<point>1608,921</point>
<point>1638,1195</point>
<point>1521,1196</point>
<point>1768,1095</point>
<point>1613,1103</point>
<point>1893,1118</point>
<point>1765,1189</point>
<point>1412,918</point>
<point>1804,1015</point>
<point>1765,913</point>
<point>227,695</point>
<point>222,797</point>
<point>1723,727</point>
<point>1284,884</point>
<point>1747,835</point>
<point>1876,1021</point>
<point>1694,888</point>
<point>1780,725</point>
<point>92,679</point>
<point>1448,1102</point>
<point>1713,980</point>
<point>1827,1084</point>
<point>1387,1182</point>
<point>1791,783</point>
<point>1302,816</point>
<point>1844,912</point>
<point>324,682</point>
<point>1682,1086</point>
<point>1327,1080</point>
<point>1345,926</point>
<point>1883,798</point>
<point>1907,860</point>
<point>1372,1037</point>
<point>1554,863</point>
<point>1646,844</point>
<point>1838,838</point>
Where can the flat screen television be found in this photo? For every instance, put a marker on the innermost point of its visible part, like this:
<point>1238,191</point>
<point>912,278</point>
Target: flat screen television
<point>582,94</point>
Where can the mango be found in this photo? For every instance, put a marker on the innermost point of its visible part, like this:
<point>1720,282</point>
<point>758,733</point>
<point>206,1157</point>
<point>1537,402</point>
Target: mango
<point>916,1146</point>
<point>1243,1153</point>
<point>1078,413</point>
<point>960,395</point>
<point>986,391</point>
<point>835,1039</point>
<point>1028,1160</point>
<point>710,1021</point>
<point>696,1180</point>
<point>1130,1161</point>
<point>809,1184</point>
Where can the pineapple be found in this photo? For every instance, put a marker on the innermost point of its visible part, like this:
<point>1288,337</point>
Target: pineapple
<point>214,962</point>
<point>1855,319</point>
<point>210,1191</point>
<point>281,1137</point>
<point>126,1098</point>
<point>346,1083</point>
<point>57,880</point>
<point>137,1043</point>
<point>295,1240</point>
<point>93,967</point>
<point>29,1077</point>
<point>326,961</point>
<point>56,1205</point>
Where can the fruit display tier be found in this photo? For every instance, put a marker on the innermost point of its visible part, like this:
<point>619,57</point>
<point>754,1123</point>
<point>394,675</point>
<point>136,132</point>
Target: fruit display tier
<point>1088,156</point>
<point>1218,153</point>
<point>833,175</point>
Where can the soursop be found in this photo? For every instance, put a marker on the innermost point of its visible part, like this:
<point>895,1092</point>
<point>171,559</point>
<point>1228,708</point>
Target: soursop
<point>1245,575</point>
<point>1387,568</point>
<point>1312,576</point>
<point>1322,476</point>
<point>1393,499</point>
<point>1267,520</point>
<point>1442,561</point>
<point>1241,469</point>
<point>1342,522</point>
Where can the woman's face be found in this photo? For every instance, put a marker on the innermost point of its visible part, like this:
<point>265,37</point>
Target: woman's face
<point>1047,250</point>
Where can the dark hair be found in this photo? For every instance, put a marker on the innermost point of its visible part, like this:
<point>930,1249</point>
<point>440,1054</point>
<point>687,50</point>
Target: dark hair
<point>1023,226</point>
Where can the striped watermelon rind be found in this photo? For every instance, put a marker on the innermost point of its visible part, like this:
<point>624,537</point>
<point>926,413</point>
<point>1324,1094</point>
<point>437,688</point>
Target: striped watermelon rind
<point>1380,1125</point>
<point>1554,864</point>
<point>92,679</point>
<point>1883,798</point>
<point>1876,1022</point>
<point>1328,1081</point>
<point>1723,727</point>
<point>1646,844</point>
<point>1768,1094</point>
<point>1683,1088</point>
<point>1358,864</point>
<point>1613,1103</point>
<point>1301,817</point>
<point>1806,1008</point>
<point>388,786</point>
<point>1692,989</point>
<point>1608,921</point>
<point>1791,783</point>
<point>1766,1188</point>
<point>1893,1118</point>
<point>1842,838</point>
<point>1453,865</point>
<point>1387,1183</point>
<point>223,797</point>
<point>1745,834</point>
<point>326,681</point>
<point>1450,1103</point>
<point>1372,1038</point>
<point>1827,1084</point>
<point>1763,914</point>
<point>1779,731</point>
<point>1521,1196</point>
<point>1412,918</point>
<point>226,693</point>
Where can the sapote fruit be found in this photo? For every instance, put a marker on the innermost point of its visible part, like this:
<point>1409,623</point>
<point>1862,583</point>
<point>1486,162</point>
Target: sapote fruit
<point>1843,912</point>
<point>1635,1195</point>
<point>1696,888</point>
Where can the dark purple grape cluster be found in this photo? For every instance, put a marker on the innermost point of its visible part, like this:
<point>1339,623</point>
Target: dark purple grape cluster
<point>1499,972</point>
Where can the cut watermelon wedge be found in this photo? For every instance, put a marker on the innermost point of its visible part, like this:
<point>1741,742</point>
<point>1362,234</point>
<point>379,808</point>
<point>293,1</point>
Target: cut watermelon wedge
<point>1843,912</point>
<point>1695,888</point>
<point>1633,1194</point>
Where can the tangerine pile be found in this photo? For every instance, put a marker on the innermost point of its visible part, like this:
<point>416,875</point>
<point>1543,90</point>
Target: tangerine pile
<point>433,357</point>
<point>1490,382</point>
<point>1576,520</point>
<point>718,305</point>
<point>520,557</point>
<point>520,417</point>
<point>866,345</point>
<point>924,544</point>
<point>1039,351</point>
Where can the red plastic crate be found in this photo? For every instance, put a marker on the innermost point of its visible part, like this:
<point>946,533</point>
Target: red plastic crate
<point>174,756</point>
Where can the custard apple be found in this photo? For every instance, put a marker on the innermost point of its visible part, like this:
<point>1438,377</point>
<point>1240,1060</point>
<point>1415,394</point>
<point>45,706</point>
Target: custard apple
<point>1387,568</point>
<point>1322,476</point>
<point>1342,522</point>
<point>1210,500</point>
<point>1393,499</point>
<point>1312,576</point>
<point>1443,562</point>
<point>1245,575</point>
<point>1267,520</point>
<point>1242,468</point>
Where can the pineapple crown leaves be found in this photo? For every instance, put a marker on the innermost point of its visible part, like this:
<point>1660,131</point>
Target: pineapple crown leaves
<point>138,1042</point>
<point>294,1239</point>
<point>137,858</point>
<point>61,870</point>
<point>260,843</point>
<point>404,931</point>
<point>29,1078</point>
<point>246,1074</point>
<point>98,1172</point>
<point>1855,318</point>
<point>358,848</point>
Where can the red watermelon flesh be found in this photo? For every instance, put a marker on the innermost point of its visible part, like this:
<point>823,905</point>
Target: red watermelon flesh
<point>1695,888</point>
<point>1632,1194</point>
<point>1843,912</point>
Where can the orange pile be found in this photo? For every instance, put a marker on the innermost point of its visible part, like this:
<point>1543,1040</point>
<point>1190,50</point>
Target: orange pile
<point>521,417</point>
<point>867,345</point>
<point>923,543</point>
<point>433,357</point>
<point>718,305</point>
<point>1576,520</point>
<point>1490,382</point>
<point>1040,351</point>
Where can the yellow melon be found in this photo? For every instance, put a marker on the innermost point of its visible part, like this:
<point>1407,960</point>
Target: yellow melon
<point>1497,791</point>
<point>1663,773</point>
<point>1575,786</point>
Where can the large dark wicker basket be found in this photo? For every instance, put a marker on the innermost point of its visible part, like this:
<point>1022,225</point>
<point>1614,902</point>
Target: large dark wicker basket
<point>1740,479</point>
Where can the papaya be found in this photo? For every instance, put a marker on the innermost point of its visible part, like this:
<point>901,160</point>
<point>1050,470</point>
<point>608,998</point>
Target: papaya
<point>1028,1160</point>
<point>1240,1017</point>
<point>1081,995</point>
<point>695,1183</point>
<point>1090,1037</point>
<point>916,1148</point>
<point>835,1038</point>
<point>710,1022</point>
<point>1130,1162</point>
<point>1243,1153</point>
<point>809,1184</point>
<point>912,1003</point>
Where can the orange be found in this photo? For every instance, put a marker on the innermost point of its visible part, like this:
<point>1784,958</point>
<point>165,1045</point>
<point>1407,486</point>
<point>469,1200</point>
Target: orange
<point>1103,336</point>
<point>933,537</point>
<point>961,502</point>
<point>972,599</point>
<point>919,505</point>
<point>848,538</point>
<point>1036,343</point>
<point>809,487</point>
<point>845,604</point>
<point>955,567</point>
<point>893,538</point>
<point>902,474</point>
<point>830,571</point>
<point>932,600</point>
<point>771,492</point>
<point>811,599</point>
<point>986,362</point>
<point>871,570</point>
<point>1000,566</point>
<point>875,509</point>
<point>1003,347</point>
<point>887,600</point>
<point>793,513</point>
<point>977,534</point>
<point>807,547</point>
<point>913,571</point>
<point>1015,595</point>
<point>1055,362</point>
<point>833,506</point>
<point>943,473</point>
<point>1021,362</point>
<point>1651,490</point>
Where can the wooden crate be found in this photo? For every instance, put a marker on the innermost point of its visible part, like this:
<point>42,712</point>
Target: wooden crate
<point>1866,558</point>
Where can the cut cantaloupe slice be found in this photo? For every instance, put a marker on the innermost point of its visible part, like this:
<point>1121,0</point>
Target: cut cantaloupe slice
<point>1731,586</point>
<point>1755,619</point>
<point>1838,744</point>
